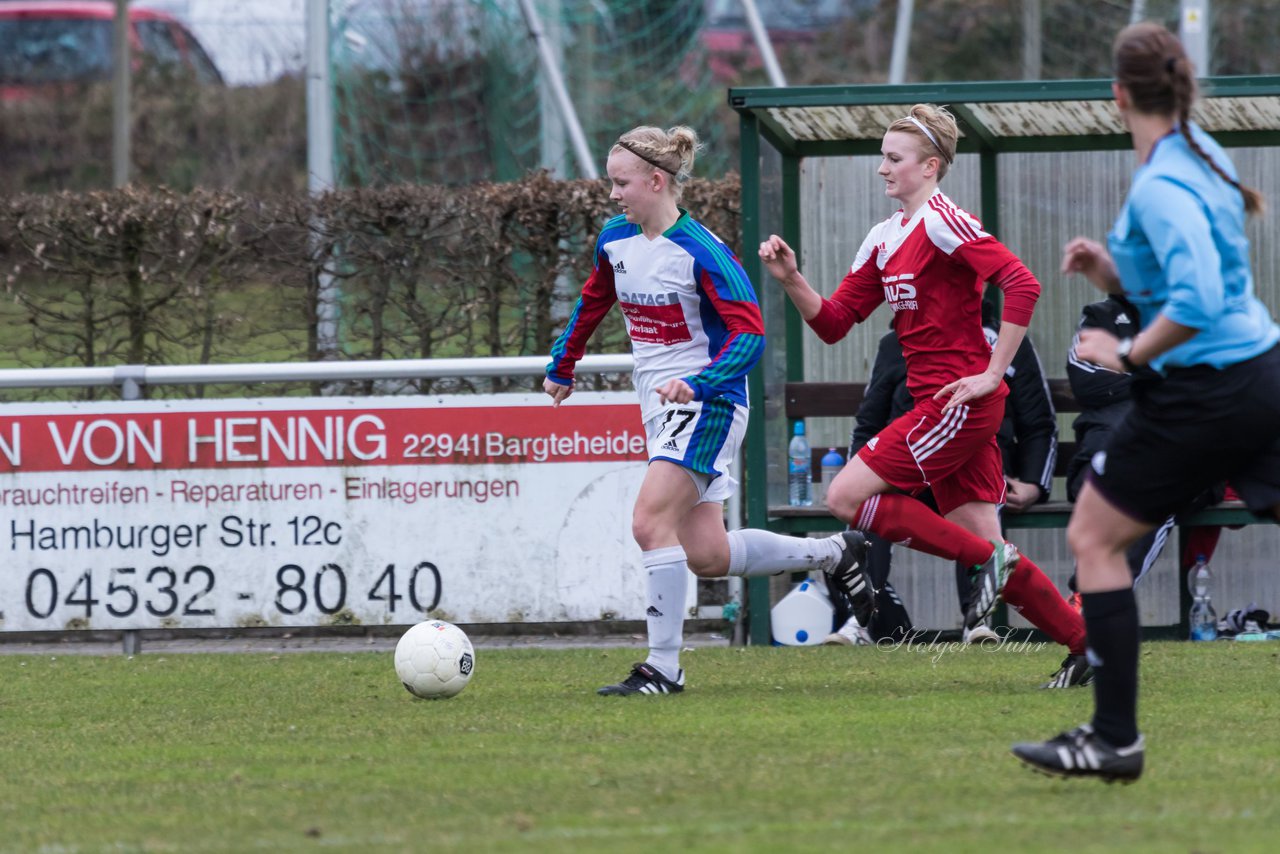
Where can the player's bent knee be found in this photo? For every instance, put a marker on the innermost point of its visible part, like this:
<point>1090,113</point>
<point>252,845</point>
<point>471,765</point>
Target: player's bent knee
<point>648,534</point>
<point>843,502</point>
<point>706,558</point>
<point>708,568</point>
<point>1088,539</point>
<point>1078,537</point>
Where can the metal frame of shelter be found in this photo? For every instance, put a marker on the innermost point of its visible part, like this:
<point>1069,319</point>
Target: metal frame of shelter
<point>994,118</point>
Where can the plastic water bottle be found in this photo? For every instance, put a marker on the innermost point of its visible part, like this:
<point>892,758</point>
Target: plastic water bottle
<point>799,469</point>
<point>832,462</point>
<point>1203,620</point>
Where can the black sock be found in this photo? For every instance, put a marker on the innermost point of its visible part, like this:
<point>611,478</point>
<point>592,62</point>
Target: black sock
<point>1111,619</point>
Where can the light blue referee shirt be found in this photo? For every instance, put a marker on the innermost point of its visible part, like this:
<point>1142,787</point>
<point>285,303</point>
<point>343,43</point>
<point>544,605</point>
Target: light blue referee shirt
<point>1180,248</point>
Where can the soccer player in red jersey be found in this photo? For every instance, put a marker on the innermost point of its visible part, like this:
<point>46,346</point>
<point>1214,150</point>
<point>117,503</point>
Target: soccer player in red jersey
<point>930,261</point>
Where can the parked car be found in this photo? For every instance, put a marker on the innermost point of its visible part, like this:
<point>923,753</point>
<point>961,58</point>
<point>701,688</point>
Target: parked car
<point>46,45</point>
<point>727,38</point>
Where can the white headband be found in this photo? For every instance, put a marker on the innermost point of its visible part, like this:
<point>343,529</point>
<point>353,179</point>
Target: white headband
<point>924,130</point>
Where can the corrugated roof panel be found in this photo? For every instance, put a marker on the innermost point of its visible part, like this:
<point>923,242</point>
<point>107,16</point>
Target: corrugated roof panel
<point>1048,118</point>
<point>1080,118</point>
<point>1020,119</point>
<point>812,124</point>
<point>1238,114</point>
<point>1014,110</point>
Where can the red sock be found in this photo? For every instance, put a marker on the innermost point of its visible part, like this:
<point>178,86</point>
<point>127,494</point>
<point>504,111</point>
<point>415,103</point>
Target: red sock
<point>1035,597</point>
<point>902,519</point>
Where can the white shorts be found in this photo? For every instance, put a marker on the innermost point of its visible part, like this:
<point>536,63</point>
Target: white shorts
<point>703,437</point>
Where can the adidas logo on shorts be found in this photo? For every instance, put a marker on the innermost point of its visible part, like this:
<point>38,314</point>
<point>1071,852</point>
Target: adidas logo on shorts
<point>671,446</point>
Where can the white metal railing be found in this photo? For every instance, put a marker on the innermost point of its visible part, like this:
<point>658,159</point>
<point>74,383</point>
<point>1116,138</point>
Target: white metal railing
<point>130,377</point>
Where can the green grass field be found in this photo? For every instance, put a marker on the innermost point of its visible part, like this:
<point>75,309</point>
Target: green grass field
<point>822,749</point>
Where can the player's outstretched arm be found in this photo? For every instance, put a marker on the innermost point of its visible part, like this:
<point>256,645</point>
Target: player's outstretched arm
<point>1092,260</point>
<point>780,260</point>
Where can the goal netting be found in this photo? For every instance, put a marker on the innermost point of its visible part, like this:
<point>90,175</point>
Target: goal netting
<point>451,91</point>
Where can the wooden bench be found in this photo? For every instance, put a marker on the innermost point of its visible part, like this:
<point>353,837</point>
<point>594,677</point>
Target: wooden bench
<point>806,400</point>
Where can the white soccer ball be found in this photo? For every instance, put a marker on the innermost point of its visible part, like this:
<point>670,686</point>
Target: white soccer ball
<point>435,660</point>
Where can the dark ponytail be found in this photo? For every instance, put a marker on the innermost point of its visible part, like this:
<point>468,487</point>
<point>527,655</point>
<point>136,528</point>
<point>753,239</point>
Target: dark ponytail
<point>1153,68</point>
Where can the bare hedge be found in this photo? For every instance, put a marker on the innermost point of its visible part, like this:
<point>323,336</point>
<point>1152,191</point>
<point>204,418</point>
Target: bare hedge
<point>184,135</point>
<point>151,276</point>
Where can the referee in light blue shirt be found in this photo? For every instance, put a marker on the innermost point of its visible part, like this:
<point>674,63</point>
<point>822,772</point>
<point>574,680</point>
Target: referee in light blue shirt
<point>1206,383</point>
<point>1180,250</point>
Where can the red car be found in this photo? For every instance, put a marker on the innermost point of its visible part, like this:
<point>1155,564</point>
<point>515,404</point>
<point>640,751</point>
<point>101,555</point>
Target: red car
<point>730,47</point>
<point>47,44</point>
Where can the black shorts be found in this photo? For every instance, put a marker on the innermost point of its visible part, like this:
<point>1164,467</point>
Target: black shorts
<point>1191,429</point>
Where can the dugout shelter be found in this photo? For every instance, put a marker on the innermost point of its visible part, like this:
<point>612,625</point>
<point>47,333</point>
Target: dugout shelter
<point>1037,161</point>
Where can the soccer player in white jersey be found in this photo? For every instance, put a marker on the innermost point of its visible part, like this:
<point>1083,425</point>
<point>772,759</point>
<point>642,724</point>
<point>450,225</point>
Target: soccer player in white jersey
<point>930,261</point>
<point>696,331</point>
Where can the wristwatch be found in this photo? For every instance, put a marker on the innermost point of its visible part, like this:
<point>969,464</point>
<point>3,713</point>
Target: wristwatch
<point>1123,349</point>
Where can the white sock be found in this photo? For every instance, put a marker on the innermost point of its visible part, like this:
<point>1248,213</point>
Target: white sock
<point>756,552</point>
<point>668,588</point>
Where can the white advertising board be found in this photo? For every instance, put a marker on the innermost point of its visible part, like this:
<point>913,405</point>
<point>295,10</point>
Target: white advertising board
<point>319,511</point>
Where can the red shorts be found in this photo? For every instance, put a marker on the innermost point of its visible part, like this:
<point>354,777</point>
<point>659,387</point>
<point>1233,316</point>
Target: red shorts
<point>953,453</point>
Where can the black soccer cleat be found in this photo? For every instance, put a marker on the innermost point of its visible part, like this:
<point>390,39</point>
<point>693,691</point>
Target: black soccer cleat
<point>1075,672</point>
<point>988,582</point>
<point>850,576</point>
<point>644,679</point>
<point>1082,753</point>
